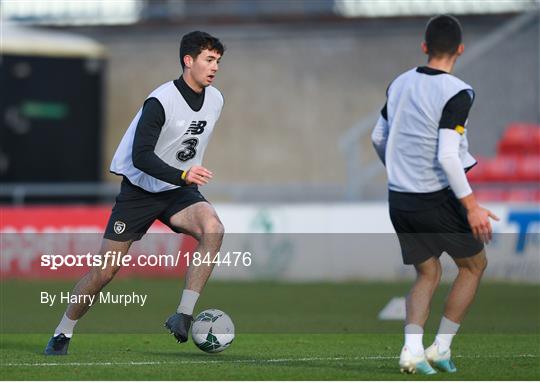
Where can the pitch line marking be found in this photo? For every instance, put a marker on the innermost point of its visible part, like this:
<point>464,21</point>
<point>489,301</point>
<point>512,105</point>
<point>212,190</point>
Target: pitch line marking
<point>248,361</point>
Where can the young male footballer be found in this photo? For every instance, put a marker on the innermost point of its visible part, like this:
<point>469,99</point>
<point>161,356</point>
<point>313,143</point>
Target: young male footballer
<point>160,159</point>
<point>421,139</point>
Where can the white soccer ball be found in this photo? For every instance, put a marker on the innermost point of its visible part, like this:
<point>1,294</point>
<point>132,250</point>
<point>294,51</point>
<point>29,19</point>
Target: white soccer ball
<point>212,331</point>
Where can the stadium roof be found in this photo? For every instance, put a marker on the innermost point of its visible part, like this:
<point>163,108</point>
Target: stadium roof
<point>37,42</point>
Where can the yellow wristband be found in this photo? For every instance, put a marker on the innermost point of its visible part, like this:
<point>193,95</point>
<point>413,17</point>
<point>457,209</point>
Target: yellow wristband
<point>183,176</point>
<point>460,129</point>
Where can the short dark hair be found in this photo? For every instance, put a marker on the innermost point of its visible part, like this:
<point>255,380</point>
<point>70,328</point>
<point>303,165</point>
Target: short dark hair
<point>443,35</point>
<point>195,42</point>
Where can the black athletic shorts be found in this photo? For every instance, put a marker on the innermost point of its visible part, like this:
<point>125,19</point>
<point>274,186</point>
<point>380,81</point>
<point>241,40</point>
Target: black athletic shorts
<point>136,209</point>
<point>440,226</point>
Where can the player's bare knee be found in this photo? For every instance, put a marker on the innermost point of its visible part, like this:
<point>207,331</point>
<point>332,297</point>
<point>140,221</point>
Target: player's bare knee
<point>429,271</point>
<point>479,267</point>
<point>434,276</point>
<point>430,275</point>
<point>475,265</point>
<point>214,227</point>
<point>482,264</point>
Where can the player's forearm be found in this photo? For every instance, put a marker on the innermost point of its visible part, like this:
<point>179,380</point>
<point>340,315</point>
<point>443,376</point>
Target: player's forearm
<point>456,176</point>
<point>380,149</point>
<point>151,164</point>
<point>448,156</point>
<point>379,136</point>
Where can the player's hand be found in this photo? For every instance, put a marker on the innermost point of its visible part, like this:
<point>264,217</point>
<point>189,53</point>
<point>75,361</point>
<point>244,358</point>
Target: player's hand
<point>198,175</point>
<point>478,218</point>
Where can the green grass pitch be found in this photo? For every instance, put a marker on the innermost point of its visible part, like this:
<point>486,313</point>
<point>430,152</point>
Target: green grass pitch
<point>315,331</point>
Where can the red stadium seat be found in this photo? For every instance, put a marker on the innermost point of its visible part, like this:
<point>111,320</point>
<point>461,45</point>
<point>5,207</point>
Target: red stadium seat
<point>534,147</point>
<point>498,194</point>
<point>500,169</point>
<point>476,174</point>
<point>490,194</point>
<point>528,169</point>
<point>522,195</point>
<point>520,139</point>
<point>517,163</point>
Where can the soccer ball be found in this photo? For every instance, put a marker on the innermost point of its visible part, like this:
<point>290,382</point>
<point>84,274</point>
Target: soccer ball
<point>212,331</point>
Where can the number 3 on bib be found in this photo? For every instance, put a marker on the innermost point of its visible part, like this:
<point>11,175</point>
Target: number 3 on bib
<point>189,151</point>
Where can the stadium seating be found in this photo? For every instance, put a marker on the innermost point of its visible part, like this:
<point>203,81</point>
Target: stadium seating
<point>528,168</point>
<point>520,139</point>
<point>514,173</point>
<point>489,194</point>
<point>500,194</point>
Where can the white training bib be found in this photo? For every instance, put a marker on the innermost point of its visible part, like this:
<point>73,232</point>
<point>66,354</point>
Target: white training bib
<point>414,108</point>
<point>182,141</point>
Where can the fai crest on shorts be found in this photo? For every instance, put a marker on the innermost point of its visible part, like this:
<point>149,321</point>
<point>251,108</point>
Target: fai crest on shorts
<point>119,227</point>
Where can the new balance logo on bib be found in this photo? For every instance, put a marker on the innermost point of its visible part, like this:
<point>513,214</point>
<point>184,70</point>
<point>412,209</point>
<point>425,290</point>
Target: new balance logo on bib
<point>196,127</point>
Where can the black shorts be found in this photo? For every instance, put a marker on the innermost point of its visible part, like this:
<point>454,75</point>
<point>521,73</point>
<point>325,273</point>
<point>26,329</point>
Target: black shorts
<point>429,232</point>
<point>136,209</point>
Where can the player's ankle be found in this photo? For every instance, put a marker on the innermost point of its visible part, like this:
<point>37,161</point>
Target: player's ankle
<point>187,302</point>
<point>413,339</point>
<point>65,326</point>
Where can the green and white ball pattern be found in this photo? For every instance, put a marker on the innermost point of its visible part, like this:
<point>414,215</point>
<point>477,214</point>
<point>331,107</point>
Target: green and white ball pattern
<point>212,331</point>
